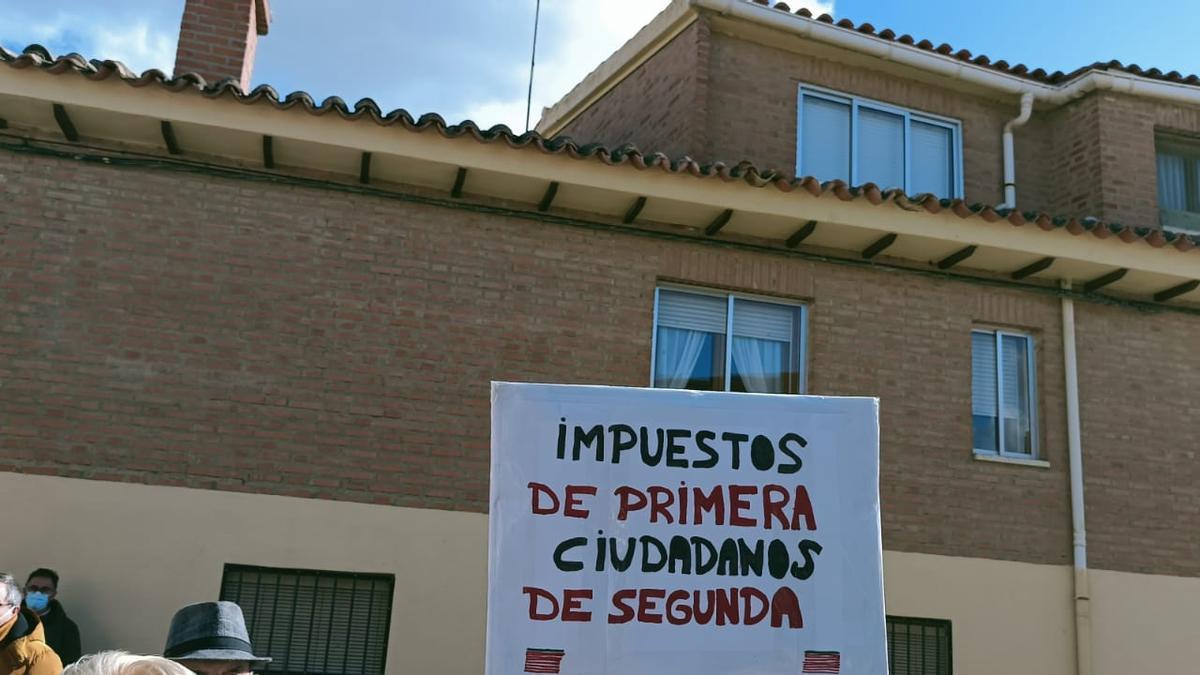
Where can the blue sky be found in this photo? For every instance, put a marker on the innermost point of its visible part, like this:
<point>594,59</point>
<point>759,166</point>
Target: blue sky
<point>470,58</point>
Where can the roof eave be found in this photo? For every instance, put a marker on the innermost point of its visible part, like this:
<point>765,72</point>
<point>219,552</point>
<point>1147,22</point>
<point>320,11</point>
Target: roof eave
<point>942,65</point>
<point>661,30</point>
<point>501,165</point>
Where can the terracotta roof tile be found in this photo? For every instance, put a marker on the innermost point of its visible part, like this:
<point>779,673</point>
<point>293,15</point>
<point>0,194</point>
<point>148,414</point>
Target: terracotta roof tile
<point>38,57</point>
<point>1018,69</point>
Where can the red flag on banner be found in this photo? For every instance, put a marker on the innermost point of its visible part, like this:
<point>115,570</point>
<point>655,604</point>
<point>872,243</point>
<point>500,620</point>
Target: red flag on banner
<point>543,660</point>
<point>820,662</point>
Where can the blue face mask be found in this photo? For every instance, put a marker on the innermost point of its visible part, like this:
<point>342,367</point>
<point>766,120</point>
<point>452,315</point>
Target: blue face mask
<point>37,601</point>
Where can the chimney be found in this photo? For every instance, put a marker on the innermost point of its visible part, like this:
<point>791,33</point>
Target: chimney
<point>218,38</point>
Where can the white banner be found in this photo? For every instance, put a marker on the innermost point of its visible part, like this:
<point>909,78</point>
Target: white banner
<point>643,531</point>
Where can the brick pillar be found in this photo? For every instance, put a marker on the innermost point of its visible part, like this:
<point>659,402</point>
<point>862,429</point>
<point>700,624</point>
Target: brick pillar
<point>218,38</point>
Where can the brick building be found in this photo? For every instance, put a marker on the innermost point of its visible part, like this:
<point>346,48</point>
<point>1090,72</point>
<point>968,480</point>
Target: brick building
<point>246,338</point>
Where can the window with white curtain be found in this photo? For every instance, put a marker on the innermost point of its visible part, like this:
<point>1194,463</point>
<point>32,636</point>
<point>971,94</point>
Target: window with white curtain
<point>1003,395</point>
<point>861,141</point>
<point>1179,183</point>
<point>726,342</point>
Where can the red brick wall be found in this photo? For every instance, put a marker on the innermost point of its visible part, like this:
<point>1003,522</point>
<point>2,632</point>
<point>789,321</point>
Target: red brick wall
<point>1102,156</point>
<point>753,113</point>
<point>218,40</point>
<point>305,342</point>
<point>1129,189</point>
<point>660,107</point>
<point>299,342</point>
<point>1141,448</point>
<point>1093,157</point>
<point>1071,179</point>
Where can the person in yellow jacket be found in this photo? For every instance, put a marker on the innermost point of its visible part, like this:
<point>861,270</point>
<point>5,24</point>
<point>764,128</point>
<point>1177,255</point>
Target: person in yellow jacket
<point>23,648</point>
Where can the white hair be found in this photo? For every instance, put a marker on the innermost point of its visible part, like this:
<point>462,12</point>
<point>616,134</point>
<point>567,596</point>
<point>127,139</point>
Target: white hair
<point>122,663</point>
<point>12,590</point>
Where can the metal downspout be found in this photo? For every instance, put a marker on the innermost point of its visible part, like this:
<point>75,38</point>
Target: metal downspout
<point>1010,160</point>
<point>1082,593</point>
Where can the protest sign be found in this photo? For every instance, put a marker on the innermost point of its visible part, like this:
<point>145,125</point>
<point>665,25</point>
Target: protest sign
<point>643,531</point>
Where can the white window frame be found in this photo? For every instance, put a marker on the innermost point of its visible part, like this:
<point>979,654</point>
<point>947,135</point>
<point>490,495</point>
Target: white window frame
<point>909,116</point>
<point>802,345</point>
<point>1031,365</point>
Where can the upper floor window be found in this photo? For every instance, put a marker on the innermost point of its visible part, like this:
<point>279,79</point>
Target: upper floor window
<point>725,342</point>
<point>861,141</point>
<point>1179,183</point>
<point>1002,394</point>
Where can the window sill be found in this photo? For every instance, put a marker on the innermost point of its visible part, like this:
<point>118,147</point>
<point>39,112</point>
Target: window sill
<point>1012,460</point>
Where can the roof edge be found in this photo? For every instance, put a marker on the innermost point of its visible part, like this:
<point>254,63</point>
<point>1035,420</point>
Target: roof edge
<point>1052,90</point>
<point>109,86</point>
<point>262,16</point>
<point>942,61</point>
<point>647,42</point>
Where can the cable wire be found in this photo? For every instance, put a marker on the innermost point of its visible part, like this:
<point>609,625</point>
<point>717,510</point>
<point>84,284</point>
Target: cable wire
<point>537,15</point>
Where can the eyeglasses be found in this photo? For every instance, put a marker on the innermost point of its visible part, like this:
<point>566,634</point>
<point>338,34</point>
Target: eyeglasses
<point>39,589</point>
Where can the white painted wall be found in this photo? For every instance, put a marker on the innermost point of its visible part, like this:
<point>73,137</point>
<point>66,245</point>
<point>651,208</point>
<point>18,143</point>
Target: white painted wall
<point>132,554</point>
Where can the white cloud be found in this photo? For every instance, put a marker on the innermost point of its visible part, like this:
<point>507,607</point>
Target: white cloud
<point>510,112</point>
<point>819,7</point>
<point>134,43</point>
<point>596,30</point>
<point>590,32</point>
<point>137,46</point>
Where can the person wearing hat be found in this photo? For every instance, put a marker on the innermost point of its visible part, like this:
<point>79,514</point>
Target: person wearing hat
<point>210,638</point>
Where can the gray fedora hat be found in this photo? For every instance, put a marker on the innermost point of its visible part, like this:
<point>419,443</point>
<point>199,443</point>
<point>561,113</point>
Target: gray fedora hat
<point>211,631</point>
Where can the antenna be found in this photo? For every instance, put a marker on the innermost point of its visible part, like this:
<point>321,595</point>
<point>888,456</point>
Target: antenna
<point>537,14</point>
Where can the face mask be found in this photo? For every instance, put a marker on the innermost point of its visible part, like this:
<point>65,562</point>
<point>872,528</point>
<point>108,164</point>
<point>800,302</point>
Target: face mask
<point>37,601</point>
<point>7,614</point>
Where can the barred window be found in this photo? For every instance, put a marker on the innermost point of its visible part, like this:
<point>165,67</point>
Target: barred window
<point>313,622</point>
<point>918,646</point>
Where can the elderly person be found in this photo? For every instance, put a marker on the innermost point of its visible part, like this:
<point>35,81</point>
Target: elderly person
<point>121,663</point>
<point>23,648</point>
<point>210,638</point>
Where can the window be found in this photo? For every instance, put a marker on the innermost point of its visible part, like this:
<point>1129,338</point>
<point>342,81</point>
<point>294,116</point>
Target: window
<point>1002,394</point>
<point>1179,184</point>
<point>724,342</point>
<point>918,646</point>
<point>328,623</point>
<point>861,141</point>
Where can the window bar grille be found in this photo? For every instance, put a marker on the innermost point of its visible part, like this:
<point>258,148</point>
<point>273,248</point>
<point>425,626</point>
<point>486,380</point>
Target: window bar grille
<point>329,627</point>
<point>274,614</point>
<point>312,620</point>
<point>366,636</point>
<point>287,665</point>
<point>908,649</point>
<point>370,618</point>
<point>257,593</point>
<point>931,637</point>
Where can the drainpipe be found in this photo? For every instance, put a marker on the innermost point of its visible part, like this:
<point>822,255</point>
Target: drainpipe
<point>1083,612</point>
<point>1010,162</point>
